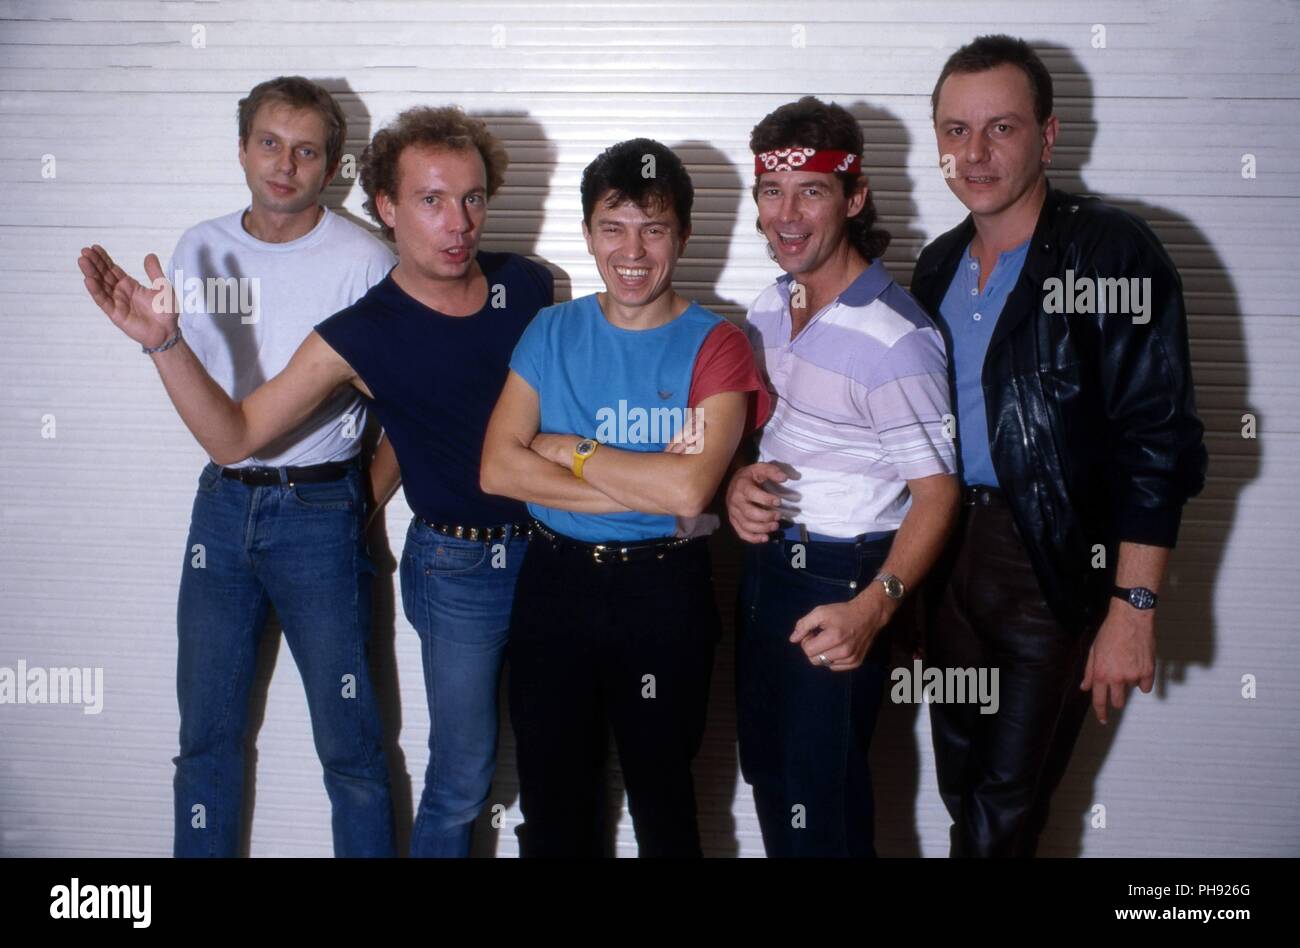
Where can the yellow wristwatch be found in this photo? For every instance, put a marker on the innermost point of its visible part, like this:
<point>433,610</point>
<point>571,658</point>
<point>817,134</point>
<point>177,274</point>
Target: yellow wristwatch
<point>581,451</point>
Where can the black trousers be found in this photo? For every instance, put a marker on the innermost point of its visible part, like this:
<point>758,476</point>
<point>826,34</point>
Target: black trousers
<point>627,645</point>
<point>997,772</point>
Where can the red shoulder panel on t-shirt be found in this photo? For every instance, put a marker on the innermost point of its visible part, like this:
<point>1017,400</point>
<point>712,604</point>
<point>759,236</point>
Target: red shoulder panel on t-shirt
<point>725,363</point>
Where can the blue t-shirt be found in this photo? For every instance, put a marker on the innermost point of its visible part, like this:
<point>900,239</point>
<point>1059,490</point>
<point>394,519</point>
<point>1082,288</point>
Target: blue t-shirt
<point>970,316</point>
<point>622,387</point>
<point>436,379</point>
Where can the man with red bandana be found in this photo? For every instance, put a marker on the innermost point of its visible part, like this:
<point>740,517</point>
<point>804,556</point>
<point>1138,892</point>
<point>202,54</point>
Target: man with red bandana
<point>853,492</point>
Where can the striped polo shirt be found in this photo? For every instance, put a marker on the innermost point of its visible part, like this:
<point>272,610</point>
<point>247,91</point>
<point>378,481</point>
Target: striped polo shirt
<point>860,398</point>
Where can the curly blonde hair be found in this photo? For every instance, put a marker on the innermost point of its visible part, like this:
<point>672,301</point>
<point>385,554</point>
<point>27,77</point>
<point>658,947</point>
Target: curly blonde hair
<point>444,127</point>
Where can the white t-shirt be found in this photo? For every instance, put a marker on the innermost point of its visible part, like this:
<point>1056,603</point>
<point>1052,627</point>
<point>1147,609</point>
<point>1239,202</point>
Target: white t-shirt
<point>247,305</point>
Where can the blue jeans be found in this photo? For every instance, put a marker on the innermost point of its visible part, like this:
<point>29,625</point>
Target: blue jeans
<point>302,549</point>
<point>805,731</point>
<point>457,594</point>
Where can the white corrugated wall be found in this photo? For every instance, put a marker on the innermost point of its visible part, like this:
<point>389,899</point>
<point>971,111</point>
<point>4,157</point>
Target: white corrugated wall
<point>117,121</point>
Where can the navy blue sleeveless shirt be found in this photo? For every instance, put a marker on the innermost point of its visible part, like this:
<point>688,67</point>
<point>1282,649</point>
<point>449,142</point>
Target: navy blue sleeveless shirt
<point>436,379</point>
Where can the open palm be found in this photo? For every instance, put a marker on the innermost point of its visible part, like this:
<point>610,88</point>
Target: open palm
<point>146,313</point>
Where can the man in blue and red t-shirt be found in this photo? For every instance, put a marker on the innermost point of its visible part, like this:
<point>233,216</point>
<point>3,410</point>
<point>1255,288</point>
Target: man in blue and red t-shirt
<point>619,418</point>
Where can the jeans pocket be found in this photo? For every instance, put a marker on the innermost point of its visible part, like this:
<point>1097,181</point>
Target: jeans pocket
<point>326,495</point>
<point>444,559</point>
<point>870,561</point>
<point>406,573</point>
<point>827,567</point>
<point>209,478</point>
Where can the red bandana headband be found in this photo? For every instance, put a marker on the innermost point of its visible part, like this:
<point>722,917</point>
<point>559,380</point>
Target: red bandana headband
<point>825,160</point>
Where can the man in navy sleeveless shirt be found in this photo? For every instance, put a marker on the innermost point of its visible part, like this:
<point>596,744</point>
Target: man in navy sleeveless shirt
<point>432,343</point>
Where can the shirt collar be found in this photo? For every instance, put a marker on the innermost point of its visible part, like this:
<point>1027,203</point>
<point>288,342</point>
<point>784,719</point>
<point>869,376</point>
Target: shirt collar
<point>1020,250</point>
<point>870,283</point>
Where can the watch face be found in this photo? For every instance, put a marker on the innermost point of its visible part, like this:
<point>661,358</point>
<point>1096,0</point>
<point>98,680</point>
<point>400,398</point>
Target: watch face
<point>586,447</point>
<point>893,587</point>
<point>1141,598</point>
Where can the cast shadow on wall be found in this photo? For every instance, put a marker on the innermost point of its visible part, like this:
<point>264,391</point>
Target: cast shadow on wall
<point>1186,629</point>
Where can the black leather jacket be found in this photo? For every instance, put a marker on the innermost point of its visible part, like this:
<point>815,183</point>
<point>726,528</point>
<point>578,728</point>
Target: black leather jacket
<point>1092,420</point>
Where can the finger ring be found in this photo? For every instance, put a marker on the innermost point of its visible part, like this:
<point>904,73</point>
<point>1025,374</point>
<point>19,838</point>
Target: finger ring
<point>823,659</point>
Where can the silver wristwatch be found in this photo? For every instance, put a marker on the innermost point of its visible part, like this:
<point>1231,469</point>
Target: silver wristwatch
<point>894,587</point>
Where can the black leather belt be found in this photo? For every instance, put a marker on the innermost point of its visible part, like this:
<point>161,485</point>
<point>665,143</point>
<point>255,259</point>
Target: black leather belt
<point>632,551</point>
<point>982,495</point>
<point>270,476</point>
<point>461,532</point>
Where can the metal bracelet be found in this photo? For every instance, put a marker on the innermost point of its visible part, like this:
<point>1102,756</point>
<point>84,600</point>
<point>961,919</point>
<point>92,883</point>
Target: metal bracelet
<point>176,337</point>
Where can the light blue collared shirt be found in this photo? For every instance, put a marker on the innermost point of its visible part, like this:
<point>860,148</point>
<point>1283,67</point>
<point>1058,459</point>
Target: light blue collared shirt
<point>970,316</point>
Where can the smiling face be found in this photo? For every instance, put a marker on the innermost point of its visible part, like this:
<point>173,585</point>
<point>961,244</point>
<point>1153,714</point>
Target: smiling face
<point>438,214</point>
<point>805,215</point>
<point>284,158</point>
<point>985,121</point>
<point>636,249</point>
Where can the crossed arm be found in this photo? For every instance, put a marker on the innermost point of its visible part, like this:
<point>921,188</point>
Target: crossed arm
<point>679,481</point>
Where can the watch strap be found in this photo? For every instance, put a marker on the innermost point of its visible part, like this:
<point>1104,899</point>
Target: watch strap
<point>890,581</point>
<point>1139,597</point>
<point>580,459</point>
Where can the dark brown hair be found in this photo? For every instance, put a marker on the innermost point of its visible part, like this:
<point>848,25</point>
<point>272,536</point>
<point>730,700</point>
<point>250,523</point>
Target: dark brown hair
<point>813,123</point>
<point>445,127</point>
<point>299,93</point>
<point>989,52</point>
<point>619,171</point>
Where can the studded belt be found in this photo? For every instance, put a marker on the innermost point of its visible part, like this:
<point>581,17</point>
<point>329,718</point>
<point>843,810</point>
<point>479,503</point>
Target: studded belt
<point>461,532</point>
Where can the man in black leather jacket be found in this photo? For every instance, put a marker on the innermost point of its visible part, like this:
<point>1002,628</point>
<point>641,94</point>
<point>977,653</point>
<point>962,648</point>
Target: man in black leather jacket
<point>1078,445</point>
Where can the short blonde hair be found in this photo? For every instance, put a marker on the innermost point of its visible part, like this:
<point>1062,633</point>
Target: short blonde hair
<point>298,93</point>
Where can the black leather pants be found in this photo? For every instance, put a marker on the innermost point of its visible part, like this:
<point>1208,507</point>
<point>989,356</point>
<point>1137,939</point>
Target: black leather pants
<point>997,772</point>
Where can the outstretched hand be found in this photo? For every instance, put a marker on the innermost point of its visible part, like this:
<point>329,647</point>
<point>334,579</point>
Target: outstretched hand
<point>145,313</point>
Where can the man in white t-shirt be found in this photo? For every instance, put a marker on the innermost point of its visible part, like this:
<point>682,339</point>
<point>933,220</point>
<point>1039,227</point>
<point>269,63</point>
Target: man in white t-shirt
<point>285,527</point>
